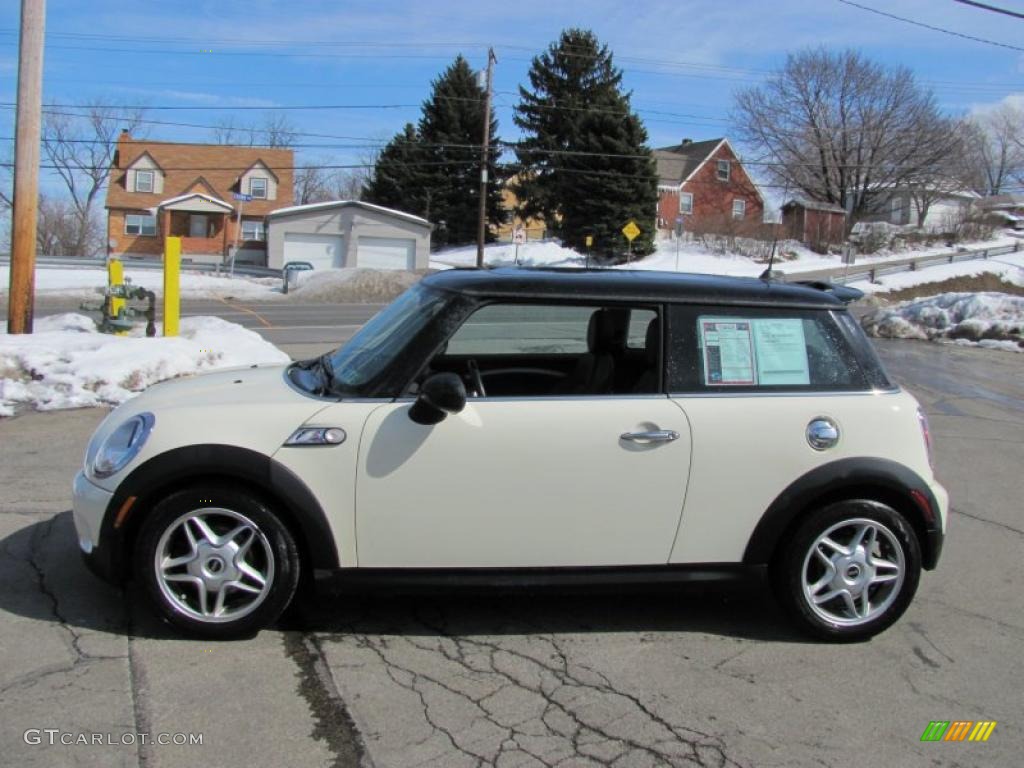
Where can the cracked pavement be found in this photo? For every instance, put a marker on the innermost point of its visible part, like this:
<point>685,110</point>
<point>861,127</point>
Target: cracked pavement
<point>678,677</point>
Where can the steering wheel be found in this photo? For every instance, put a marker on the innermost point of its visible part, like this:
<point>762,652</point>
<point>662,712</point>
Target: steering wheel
<point>478,380</point>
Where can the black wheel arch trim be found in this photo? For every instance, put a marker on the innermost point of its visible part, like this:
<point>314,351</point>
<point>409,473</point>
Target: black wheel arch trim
<point>162,473</point>
<point>894,482</point>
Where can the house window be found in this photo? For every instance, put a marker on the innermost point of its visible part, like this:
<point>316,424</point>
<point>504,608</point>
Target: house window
<point>896,215</point>
<point>140,224</point>
<point>258,187</point>
<point>739,208</point>
<point>723,170</point>
<point>252,229</point>
<point>686,202</point>
<point>143,181</point>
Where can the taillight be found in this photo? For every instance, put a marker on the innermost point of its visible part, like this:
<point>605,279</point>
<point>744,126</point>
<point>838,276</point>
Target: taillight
<point>926,432</point>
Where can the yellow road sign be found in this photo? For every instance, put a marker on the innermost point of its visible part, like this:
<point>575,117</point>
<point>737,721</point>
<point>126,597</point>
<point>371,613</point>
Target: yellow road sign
<point>631,230</point>
<point>590,240</point>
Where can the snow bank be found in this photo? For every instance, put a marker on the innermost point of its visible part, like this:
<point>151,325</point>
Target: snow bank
<point>83,283</point>
<point>67,363</point>
<point>986,319</point>
<point>370,286</point>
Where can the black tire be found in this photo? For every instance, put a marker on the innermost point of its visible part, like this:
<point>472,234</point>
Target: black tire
<point>271,554</point>
<point>896,543</point>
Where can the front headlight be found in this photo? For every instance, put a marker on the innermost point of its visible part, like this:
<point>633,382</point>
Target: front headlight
<point>121,446</point>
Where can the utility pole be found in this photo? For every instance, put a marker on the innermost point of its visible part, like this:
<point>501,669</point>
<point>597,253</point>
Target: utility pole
<point>484,157</point>
<point>27,136</point>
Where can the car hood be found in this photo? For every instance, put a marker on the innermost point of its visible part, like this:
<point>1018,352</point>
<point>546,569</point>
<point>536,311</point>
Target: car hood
<point>254,408</point>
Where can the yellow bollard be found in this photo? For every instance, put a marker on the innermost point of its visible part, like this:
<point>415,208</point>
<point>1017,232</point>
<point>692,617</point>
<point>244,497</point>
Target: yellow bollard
<point>172,285</point>
<point>115,280</point>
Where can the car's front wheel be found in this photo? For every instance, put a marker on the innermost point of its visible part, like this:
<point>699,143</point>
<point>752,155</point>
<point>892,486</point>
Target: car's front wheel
<point>217,561</point>
<point>850,570</point>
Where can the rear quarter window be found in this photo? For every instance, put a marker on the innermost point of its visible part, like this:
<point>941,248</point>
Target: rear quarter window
<point>730,349</point>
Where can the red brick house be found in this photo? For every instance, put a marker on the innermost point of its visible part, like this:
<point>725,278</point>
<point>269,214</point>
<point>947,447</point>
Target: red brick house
<point>705,184</point>
<point>161,188</point>
<point>815,224</point>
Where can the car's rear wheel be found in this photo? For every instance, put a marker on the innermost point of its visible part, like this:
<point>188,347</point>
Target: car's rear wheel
<point>849,570</point>
<point>217,561</point>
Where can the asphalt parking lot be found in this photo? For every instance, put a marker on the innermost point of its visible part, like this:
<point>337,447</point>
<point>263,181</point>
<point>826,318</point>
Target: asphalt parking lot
<point>710,677</point>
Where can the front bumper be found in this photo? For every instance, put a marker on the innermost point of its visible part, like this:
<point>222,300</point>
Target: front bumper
<point>90,503</point>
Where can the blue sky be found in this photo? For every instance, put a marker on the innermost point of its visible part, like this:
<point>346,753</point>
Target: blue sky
<point>685,57</point>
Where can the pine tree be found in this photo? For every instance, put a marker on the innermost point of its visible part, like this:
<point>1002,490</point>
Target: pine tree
<point>451,130</point>
<point>584,164</point>
<point>398,179</point>
<point>433,169</point>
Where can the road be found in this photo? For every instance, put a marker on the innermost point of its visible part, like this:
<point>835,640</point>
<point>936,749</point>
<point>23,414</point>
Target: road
<point>687,677</point>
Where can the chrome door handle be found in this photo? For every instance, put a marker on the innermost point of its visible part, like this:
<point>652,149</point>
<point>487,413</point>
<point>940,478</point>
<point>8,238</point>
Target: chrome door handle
<point>653,436</point>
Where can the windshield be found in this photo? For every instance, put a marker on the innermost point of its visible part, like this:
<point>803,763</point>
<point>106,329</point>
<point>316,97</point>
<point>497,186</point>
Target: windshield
<point>377,343</point>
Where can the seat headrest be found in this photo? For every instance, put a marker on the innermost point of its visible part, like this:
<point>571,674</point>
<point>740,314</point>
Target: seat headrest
<point>608,330</point>
<point>652,342</point>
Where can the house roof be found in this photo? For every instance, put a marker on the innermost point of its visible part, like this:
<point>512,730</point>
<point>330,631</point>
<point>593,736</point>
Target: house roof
<point>677,163</point>
<point>296,210</point>
<point>206,198</point>
<point>182,165</point>
<point>814,205</point>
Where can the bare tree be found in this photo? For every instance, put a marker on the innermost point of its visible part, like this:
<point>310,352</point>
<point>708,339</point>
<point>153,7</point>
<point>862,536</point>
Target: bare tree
<point>994,149</point>
<point>843,129</point>
<point>274,130</point>
<point>59,231</point>
<point>80,148</point>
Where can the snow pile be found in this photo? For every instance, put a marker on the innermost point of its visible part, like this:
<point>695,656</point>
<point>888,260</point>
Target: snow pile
<point>354,285</point>
<point>67,363</point>
<point>986,319</point>
<point>85,283</point>
<point>539,253</point>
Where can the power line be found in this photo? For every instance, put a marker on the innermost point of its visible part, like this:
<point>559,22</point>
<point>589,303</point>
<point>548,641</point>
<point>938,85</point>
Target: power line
<point>930,26</point>
<point>992,8</point>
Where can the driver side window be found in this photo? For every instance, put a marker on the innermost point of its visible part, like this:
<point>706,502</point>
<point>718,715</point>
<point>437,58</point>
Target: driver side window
<point>547,350</point>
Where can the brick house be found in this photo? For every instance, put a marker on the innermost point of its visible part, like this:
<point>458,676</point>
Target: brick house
<point>704,182</point>
<point>161,188</point>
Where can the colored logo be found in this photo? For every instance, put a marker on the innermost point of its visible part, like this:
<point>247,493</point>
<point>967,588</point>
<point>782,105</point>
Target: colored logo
<point>958,730</point>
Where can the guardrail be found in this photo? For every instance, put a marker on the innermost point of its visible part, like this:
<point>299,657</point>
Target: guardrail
<point>250,270</point>
<point>873,270</point>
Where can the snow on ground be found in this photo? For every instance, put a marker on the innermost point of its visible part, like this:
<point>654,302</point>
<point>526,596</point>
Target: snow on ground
<point>1009,267</point>
<point>792,257</point>
<point>985,319</point>
<point>67,363</point>
<point>352,285</point>
<point>74,282</point>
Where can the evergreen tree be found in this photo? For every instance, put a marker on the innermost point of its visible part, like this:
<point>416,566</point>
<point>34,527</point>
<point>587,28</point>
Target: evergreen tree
<point>584,164</point>
<point>433,170</point>
<point>398,179</point>
<point>451,130</point>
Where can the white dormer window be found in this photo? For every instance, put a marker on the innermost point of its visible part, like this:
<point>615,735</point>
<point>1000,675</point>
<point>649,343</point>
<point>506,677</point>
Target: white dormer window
<point>258,187</point>
<point>723,170</point>
<point>143,181</point>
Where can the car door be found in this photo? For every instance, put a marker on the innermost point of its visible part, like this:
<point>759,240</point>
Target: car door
<point>523,481</point>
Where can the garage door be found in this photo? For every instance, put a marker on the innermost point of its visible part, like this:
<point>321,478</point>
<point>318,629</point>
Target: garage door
<point>322,251</point>
<point>386,253</point>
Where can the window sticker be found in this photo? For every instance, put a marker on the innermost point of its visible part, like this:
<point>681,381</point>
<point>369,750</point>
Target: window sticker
<point>781,352</point>
<point>728,351</point>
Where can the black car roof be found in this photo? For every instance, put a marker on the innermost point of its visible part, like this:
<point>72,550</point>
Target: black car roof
<point>629,285</point>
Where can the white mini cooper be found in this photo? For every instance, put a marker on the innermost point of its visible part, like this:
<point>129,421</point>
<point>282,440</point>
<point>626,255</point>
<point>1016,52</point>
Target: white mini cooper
<point>534,427</point>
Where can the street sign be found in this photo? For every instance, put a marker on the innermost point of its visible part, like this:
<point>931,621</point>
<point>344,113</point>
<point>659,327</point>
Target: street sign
<point>680,221</point>
<point>590,240</point>
<point>519,236</point>
<point>243,198</point>
<point>631,230</point>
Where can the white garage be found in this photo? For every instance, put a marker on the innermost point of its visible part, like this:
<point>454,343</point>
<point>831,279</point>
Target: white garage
<point>386,252</point>
<point>347,233</point>
<point>322,251</point>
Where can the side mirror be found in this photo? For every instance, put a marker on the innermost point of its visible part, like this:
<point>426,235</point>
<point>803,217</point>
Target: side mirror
<point>441,394</point>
